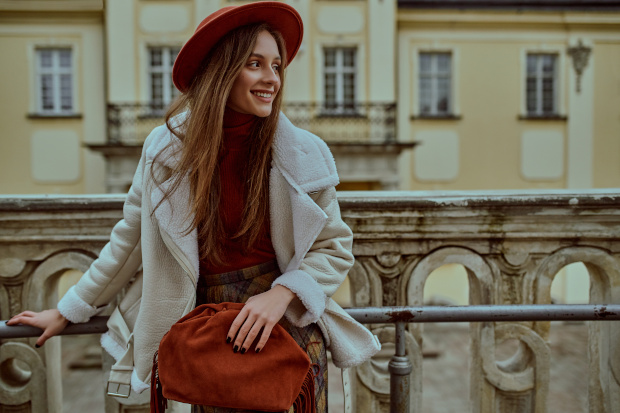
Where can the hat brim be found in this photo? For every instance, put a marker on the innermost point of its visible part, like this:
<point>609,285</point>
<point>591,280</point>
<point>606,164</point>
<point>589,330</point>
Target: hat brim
<point>279,16</point>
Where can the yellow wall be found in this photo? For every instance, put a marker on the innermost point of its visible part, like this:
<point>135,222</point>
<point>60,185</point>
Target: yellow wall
<point>485,147</point>
<point>607,114</point>
<point>34,151</point>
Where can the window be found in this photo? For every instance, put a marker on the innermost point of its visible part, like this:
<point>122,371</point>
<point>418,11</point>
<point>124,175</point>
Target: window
<point>162,90</point>
<point>55,78</point>
<point>541,89</point>
<point>340,74</point>
<point>435,92</point>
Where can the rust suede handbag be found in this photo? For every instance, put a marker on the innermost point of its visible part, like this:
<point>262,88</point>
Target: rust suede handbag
<point>195,365</point>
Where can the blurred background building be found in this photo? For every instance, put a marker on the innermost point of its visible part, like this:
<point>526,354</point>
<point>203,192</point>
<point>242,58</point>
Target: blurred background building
<point>410,94</point>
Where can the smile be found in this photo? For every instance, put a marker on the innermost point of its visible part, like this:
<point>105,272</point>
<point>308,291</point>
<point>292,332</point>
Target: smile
<point>263,95</point>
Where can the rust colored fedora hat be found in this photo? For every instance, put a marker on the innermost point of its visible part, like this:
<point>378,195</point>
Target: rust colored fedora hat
<point>280,16</point>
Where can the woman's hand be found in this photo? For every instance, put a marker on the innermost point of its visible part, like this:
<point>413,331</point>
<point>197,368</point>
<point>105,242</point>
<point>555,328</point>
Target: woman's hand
<point>261,311</point>
<point>50,321</point>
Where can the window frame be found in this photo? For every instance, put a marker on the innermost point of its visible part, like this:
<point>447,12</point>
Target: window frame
<point>539,78</point>
<point>56,71</point>
<point>169,91</point>
<point>435,75</point>
<point>339,107</point>
<point>560,83</point>
<point>411,79</point>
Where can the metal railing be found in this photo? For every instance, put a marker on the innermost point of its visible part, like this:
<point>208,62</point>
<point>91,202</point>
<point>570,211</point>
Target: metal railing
<point>400,366</point>
<point>130,123</point>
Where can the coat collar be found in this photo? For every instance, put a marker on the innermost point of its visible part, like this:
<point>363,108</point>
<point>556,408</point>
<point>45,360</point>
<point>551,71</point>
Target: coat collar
<point>303,159</point>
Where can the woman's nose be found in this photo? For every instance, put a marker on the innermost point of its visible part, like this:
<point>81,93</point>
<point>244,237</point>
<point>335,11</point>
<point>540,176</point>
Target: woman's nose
<point>271,76</point>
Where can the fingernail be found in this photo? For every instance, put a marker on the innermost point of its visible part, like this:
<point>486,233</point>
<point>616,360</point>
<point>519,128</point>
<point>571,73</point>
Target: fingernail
<point>228,340</point>
<point>257,350</point>
<point>235,349</point>
<point>37,346</point>
<point>242,351</point>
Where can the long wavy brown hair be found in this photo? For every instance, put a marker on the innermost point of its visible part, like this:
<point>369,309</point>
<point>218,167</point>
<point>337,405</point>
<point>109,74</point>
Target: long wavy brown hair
<point>201,133</point>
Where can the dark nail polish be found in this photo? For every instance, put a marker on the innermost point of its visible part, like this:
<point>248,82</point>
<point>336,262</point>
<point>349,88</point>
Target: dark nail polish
<point>228,340</point>
<point>37,346</point>
<point>258,350</point>
<point>235,349</point>
<point>242,350</point>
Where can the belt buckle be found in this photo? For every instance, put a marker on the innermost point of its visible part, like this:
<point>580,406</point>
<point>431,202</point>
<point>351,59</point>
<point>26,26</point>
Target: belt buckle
<point>119,388</point>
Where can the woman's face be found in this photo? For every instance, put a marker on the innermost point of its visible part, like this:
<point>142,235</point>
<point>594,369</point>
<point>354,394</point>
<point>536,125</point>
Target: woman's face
<point>258,83</point>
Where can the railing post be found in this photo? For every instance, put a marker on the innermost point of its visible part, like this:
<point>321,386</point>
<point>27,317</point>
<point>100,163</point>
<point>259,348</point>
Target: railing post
<point>400,368</point>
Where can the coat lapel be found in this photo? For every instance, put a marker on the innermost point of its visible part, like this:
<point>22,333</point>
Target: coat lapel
<point>173,215</point>
<point>304,161</point>
<point>308,166</point>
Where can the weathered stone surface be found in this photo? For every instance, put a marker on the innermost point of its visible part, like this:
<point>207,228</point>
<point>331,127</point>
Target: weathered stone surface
<point>511,244</point>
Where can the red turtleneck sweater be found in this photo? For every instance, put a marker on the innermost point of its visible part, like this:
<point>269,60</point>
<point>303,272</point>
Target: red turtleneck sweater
<point>237,127</point>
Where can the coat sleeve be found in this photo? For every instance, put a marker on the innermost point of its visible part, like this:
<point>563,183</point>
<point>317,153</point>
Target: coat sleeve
<point>323,268</point>
<point>119,260</point>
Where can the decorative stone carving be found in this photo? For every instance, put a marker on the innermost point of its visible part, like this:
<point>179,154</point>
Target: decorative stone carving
<point>580,55</point>
<point>512,247</point>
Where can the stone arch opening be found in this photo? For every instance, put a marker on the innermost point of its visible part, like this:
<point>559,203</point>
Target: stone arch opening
<point>445,346</point>
<point>592,353</point>
<point>463,352</point>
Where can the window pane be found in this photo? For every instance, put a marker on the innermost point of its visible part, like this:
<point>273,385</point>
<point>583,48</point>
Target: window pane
<point>425,62</point>
<point>157,90</point>
<point>531,64</point>
<point>330,88</point>
<point>548,95</point>
<point>156,57</point>
<point>443,62</point>
<point>66,97</point>
<point>45,58</point>
<point>173,54</point>
<point>548,64</point>
<point>531,95</point>
<point>443,95</point>
<point>349,88</point>
<point>330,57</point>
<point>65,57</point>
<point>425,95</point>
<point>349,57</point>
<point>47,97</point>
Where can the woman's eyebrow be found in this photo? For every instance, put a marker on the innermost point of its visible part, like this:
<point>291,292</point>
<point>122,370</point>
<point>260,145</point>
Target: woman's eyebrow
<point>260,56</point>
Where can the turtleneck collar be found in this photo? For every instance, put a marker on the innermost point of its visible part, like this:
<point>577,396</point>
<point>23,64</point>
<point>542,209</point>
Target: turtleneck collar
<point>234,119</point>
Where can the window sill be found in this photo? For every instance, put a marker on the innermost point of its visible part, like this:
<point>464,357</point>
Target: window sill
<point>543,117</point>
<point>435,117</point>
<point>54,116</point>
<point>152,115</point>
<point>348,115</point>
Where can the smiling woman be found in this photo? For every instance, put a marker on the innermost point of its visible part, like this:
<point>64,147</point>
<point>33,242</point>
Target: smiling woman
<point>257,85</point>
<point>230,203</point>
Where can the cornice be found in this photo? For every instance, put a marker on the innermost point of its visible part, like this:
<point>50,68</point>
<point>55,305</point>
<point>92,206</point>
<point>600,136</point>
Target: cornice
<point>51,5</point>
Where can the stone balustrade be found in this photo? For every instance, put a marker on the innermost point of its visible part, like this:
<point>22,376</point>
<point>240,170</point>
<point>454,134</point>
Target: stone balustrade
<point>512,245</point>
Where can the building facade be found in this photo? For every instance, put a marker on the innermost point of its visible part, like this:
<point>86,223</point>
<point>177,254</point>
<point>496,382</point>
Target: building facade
<point>493,94</point>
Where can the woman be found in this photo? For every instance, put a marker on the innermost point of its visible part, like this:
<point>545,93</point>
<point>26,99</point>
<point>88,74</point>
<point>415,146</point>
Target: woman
<point>230,202</point>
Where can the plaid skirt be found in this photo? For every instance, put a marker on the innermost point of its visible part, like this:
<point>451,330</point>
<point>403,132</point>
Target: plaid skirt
<point>238,287</point>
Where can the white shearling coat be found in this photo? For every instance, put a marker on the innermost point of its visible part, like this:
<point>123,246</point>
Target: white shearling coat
<point>312,245</point>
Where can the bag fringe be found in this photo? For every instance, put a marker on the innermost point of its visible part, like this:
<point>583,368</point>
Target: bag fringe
<point>305,402</point>
<point>159,403</point>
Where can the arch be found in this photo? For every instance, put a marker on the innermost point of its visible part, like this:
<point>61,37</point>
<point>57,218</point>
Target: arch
<point>602,267</point>
<point>479,273</point>
<point>42,288</point>
<point>604,354</point>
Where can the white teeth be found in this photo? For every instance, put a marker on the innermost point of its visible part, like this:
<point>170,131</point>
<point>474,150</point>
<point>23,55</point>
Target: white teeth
<point>263,95</point>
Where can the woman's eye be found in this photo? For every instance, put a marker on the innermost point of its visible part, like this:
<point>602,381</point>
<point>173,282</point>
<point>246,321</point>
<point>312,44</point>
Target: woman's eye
<point>253,64</point>
<point>276,68</point>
